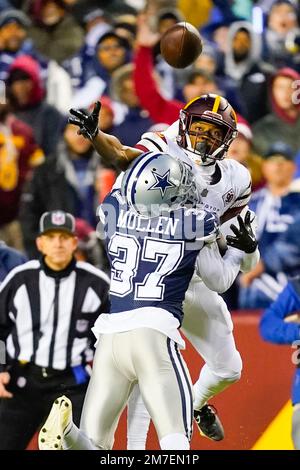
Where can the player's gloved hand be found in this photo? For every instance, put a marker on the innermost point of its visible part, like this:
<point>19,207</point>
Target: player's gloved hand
<point>244,239</point>
<point>87,123</point>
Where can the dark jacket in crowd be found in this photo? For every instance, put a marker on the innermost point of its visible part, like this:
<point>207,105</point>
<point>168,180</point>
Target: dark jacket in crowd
<point>53,188</point>
<point>46,121</point>
<point>9,259</point>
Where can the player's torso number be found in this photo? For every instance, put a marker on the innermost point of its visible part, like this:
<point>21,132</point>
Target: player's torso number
<point>128,253</point>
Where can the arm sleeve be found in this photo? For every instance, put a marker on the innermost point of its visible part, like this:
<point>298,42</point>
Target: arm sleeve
<point>160,109</point>
<point>249,261</point>
<point>272,325</point>
<point>216,272</point>
<point>244,189</point>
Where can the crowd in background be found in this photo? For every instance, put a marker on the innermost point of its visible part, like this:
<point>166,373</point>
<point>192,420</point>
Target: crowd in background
<point>58,54</point>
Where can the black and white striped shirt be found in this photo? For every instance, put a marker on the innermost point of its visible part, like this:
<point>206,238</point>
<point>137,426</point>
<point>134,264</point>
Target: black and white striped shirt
<point>46,316</point>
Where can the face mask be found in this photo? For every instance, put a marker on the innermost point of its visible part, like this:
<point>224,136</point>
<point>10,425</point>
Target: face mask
<point>201,147</point>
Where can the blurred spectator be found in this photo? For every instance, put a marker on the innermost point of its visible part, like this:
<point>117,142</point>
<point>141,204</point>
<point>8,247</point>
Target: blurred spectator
<point>95,23</point>
<point>283,123</point>
<point>14,43</point>
<point>209,59</point>
<point>26,95</point>
<point>106,117</point>
<point>111,52</point>
<point>282,19</point>
<point>241,151</point>
<point>216,32</point>
<point>284,254</point>
<point>243,64</point>
<point>276,208</point>
<point>13,38</point>
<point>110,7</point>
<point>69,179</point>
<point>89,248</point>
<point>9,259</point>
<point>166,18</point>
<point>136,120</point>
<point>19,153</point>
<point>55,33</point>
<point>280,324</point>
<point>125,27</point>
<point>80,67</point>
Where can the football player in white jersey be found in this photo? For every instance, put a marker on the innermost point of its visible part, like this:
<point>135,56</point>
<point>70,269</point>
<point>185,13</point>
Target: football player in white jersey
<point>201,137</point>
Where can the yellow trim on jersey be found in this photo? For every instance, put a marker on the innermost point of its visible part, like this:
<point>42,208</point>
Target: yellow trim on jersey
<point>216,104</point>
<point>36,158</point>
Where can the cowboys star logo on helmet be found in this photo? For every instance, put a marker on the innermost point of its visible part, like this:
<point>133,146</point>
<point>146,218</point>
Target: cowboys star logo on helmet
<point>155,170</point>
<point>162,182</point>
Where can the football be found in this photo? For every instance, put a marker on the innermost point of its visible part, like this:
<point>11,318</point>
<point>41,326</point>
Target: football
<point>180,45</point>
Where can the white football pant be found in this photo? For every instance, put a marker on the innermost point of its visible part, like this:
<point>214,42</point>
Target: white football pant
<point>153,360</point>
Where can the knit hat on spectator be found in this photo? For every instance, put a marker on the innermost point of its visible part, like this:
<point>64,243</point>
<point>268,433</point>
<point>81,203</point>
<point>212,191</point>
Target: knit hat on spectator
<point>14,16</point>
<point>93,14</point>
<point>111,34</point>
<point>106,102</point>
<point>57,220</point>
<point>281,150</point>
<point>244,128</point>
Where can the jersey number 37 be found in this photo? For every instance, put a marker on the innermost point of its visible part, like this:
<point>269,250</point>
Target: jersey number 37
<point>128,255</point>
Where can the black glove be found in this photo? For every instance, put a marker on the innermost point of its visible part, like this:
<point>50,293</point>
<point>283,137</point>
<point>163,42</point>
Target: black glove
<point>244,237</point>
<point>88,123</point>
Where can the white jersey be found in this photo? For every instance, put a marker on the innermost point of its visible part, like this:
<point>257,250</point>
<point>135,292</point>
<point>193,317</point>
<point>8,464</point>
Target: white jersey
<point>228,183</point>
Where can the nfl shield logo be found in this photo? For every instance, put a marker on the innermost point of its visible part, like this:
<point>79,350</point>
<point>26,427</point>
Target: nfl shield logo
<point>227,197</point>
<point>58,218</point>
<point>82,325</point>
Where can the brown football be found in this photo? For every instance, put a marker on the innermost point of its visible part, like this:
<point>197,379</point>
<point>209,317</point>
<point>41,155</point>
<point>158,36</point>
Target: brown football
<point>181,45</point>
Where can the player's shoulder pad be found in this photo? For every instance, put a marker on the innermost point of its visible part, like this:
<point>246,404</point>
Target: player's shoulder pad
<point>241,182</point>
<point>153,141</point>
<point>240,174</point>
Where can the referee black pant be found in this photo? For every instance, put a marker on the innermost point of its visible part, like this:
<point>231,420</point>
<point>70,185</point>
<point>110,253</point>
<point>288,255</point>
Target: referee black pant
<point>34,389</point>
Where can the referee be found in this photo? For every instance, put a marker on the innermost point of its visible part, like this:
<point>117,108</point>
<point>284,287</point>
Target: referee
<point>47,309</point>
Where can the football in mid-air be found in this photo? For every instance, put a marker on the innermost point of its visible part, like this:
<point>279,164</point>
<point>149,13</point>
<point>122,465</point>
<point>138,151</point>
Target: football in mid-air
<point>180,45</point>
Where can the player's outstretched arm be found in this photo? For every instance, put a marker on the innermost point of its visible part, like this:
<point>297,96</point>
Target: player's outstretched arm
<point>108,146</point>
